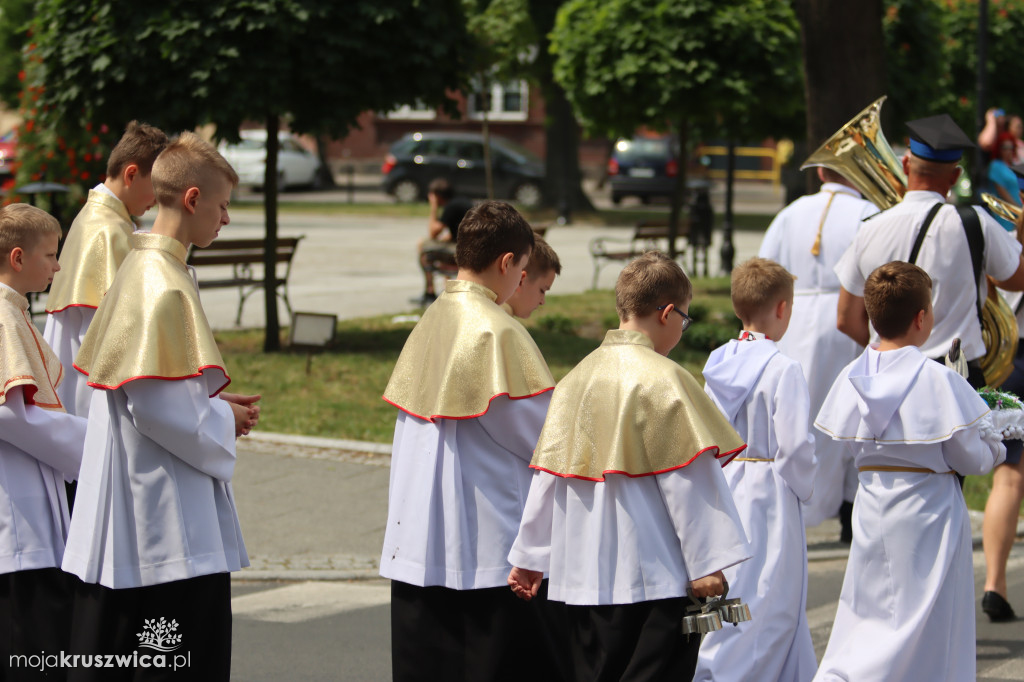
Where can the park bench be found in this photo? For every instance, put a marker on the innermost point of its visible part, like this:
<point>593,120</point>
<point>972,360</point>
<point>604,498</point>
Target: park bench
<point>245,258</point>
<point>648,234</point>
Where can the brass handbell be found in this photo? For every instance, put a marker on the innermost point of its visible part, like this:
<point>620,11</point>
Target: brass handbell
<point>689,625</point>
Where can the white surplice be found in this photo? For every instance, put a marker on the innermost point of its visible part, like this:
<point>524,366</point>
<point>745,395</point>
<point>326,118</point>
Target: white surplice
<point>812,338</point>
<point>906,611</point>
<point>457,492</point>
<point>763,394</point>
<point>154,501</point>
<point>629,539</point>
<point>64,332</point>
<point>39,449</point>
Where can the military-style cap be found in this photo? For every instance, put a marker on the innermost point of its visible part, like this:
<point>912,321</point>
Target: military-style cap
<point>1019,172</point>
<point>938,138</point>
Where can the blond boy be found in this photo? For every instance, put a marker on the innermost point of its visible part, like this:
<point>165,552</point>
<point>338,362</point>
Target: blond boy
<point>40,448</point>
<point>155,532</point>
<point>97,243</point>
<point>763,394</point>
<point>538,277</point>
<point>628,508</point>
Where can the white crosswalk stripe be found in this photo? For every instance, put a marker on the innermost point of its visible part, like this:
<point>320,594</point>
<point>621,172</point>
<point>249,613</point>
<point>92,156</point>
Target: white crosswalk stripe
<point>309,600</point>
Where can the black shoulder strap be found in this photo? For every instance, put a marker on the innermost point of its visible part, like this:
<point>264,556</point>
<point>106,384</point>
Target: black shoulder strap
<point>976,243</point>
<point>922,232</point>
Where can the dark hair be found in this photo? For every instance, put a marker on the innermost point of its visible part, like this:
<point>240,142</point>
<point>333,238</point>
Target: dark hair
<point>650,281</point>
<point>140,144</point>
<point>442,188</point>
<point>893,295</point>
<point>490,230</point>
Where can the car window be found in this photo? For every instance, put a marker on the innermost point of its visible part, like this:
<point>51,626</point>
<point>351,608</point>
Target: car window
<point>471,151</point>
<point>292,146</point>
<point>518,153</point>
<point>249,145</point>
<point>642,148</point>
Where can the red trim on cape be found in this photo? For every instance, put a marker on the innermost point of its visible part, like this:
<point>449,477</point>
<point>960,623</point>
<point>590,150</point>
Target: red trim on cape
<point>71,305</point>
<point>731,455</point>
<point>651,473</point>
<point>472,416</point>
<point>187,376</point>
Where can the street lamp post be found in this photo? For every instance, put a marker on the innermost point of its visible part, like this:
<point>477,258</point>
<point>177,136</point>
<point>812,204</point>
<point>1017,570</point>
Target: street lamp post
<point>728,251</point>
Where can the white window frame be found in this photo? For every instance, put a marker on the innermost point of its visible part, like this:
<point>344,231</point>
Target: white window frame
<point>412,112</point>
<point>497,111</point>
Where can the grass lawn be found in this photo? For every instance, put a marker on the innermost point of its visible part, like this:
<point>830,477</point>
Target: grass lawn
<point>340,397</point>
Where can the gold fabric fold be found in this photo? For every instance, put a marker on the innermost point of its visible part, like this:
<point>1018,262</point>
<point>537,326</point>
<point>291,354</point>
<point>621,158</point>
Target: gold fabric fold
<point>626,409</point>
<point>464,352</point>
<point>150,324</point>
<point>25,358</point>
<point>96,245</point>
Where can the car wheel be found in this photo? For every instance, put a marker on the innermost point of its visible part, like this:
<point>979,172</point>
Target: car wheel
<point>406,191</point>
<point>616,199</point>
<point>528,195</point>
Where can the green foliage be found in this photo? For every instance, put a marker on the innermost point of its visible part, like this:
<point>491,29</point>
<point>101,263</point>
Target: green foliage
<point>721,66</point>
<point>915,68</point>
<point>180,64</point>
<point>557,324</point>
<point>14,19</point>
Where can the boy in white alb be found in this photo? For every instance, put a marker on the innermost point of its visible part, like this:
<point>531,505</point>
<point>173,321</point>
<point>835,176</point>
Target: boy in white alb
<point>472,390</point>
<point>40,448</point>
<point>906,611</point>
<point>628,507</point>
<point>96,245</point>
<point>155,532</point>
<point>763,394</point>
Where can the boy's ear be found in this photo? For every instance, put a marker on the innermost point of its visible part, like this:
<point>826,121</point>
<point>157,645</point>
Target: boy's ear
<point>16,258</point>
<point>919,320</point>
<point>664,314</point>
<point>191,199</point>
<point>506,262</point>
<point>130,172</point>
<point>780,309</point>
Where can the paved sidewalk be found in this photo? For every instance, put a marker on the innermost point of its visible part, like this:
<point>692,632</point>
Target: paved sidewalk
<point>315,509</point>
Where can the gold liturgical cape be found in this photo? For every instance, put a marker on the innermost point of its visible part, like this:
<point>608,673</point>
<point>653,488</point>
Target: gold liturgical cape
<point>464,352</point>
<point>96,245</point>
<point>25,359</point>
<point>150,324</point>
<point>626,409</point>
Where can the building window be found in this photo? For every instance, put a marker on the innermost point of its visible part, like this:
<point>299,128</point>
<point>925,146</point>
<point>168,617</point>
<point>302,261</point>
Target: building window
<point>413,112</point>
<point>509,101</point>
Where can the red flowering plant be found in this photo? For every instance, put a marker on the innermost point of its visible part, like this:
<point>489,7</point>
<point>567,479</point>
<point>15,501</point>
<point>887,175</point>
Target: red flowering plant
<point>54,147</point>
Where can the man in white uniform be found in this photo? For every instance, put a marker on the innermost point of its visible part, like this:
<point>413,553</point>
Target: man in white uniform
<point>807,238</point>
<point>936,146</point>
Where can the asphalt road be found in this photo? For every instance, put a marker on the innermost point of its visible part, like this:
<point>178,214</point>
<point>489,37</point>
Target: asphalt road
<point>323,630</point>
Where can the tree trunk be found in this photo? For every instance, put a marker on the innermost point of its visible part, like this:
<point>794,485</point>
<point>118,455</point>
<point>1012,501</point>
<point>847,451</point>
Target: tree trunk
<point>485,105</point>
<point>679,193</point>
<point>562,178</point>
<point>841,77</point>
<point>324,176</point>
<point>272,338</point>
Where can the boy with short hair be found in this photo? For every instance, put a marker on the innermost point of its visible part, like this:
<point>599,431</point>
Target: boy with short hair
<point>628,507</point>
<point>96,245</point>
<point>155,530</point>
<point>40,447</point>
<point>472,390</point>
<point>538,277</point>
<point>764,396</point>
<point>911,423</point>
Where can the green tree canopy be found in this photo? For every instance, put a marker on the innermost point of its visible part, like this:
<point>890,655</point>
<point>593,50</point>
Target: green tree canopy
<point>178,64</point>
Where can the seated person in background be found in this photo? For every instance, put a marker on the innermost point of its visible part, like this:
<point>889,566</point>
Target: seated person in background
<point>446,212</point>
<point>538,277</point>
<point>1002,182</point>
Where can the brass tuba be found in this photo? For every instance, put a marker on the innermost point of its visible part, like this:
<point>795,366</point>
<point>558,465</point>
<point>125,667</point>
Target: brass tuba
<point>860,153</point>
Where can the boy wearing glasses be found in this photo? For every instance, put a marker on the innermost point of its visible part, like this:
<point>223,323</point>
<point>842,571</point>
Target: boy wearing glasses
<point>764,396</point>
<point>628,508</point>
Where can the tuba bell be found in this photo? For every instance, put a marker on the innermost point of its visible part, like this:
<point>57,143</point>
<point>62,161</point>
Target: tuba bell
<point>860,153</point>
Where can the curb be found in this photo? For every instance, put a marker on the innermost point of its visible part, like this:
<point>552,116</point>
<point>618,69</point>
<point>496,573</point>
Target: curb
<point>322,443</point>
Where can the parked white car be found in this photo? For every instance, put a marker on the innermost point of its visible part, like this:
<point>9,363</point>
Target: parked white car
<point>296,165</point>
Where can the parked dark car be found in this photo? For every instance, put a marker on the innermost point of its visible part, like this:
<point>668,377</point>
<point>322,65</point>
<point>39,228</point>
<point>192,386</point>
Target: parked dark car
<point>643,167</point>
<point>416,159</point>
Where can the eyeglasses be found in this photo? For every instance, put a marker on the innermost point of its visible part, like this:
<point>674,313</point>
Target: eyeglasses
<point>687,320</point>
